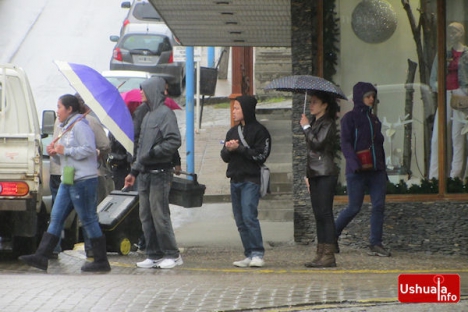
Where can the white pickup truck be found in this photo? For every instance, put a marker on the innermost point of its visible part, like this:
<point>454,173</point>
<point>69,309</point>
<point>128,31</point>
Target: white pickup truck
<point>25,200</point>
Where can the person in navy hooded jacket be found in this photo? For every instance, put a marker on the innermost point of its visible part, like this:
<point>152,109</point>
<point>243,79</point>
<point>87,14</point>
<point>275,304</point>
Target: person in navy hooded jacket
<point>361,135</point>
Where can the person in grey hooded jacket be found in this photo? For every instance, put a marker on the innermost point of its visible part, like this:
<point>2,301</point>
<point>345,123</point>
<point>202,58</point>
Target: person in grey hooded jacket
<point>158,141</point>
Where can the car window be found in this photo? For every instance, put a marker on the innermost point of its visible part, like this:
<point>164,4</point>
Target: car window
<point>125,84</point>
<point>145,11</point>
<point>156,44</point>
<point>46,141</point>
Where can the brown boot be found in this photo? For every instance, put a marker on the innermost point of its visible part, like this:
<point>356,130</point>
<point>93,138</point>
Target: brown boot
<point>318,255</point>
<point>328,258</point>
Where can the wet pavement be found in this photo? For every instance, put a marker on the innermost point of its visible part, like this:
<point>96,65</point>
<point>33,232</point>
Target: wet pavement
<point>207,281</point>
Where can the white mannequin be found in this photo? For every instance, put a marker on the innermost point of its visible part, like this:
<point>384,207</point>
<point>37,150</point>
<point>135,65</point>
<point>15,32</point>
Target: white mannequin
<point>455,35</point>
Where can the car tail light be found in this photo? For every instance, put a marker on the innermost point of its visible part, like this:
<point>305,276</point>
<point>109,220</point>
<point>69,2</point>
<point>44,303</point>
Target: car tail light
<point>171,58</point>
<point>14,188</point>
<point>118,54</point>
<point>126,22</point>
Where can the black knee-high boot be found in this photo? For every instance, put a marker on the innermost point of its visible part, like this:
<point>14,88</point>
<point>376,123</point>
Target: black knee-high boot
<point>100,263</point>
<point>40,259</point>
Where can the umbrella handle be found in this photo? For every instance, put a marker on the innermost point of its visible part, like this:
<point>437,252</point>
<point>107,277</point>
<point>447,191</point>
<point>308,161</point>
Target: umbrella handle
<point>305,103</point>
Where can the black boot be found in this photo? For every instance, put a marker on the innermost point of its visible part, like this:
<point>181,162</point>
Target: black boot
<point>40,259</point>
<point>100,263</point>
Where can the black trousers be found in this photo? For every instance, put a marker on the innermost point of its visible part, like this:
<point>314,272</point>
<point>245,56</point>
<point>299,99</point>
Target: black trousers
<point>322,192</point>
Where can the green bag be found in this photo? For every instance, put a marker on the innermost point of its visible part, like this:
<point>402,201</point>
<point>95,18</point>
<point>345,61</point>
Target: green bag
<point>68,175</point>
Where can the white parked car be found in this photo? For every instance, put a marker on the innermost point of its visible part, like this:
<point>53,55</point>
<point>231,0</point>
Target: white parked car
<point>126,80</point>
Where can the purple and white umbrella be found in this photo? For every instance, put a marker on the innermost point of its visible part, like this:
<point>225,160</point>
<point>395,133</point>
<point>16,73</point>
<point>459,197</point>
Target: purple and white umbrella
<point>305,84</point>
<point>103,99</point>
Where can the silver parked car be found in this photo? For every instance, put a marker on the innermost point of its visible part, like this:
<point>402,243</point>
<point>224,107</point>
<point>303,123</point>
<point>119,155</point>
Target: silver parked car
<point>148,47</point>
<point>140,11</point>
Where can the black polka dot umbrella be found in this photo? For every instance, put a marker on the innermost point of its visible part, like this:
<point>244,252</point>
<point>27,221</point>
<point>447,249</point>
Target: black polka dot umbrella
<point>305,84</point>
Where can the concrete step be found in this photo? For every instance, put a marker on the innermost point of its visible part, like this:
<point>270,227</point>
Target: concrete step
<point>276,208</point>
<point>280,188</point>
<point>280,167</point>
<point>277,126</point>
<point>279,157</point>
<point>273,112</point>
<point>273,207</point>
<point>280,177</point>
<point>280,147</point>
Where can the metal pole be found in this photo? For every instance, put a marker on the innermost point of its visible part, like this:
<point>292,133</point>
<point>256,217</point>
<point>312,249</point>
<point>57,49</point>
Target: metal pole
<point>197,129</point>
<point>441,99</point>
<point>189,116</point>
<point>211,57</point>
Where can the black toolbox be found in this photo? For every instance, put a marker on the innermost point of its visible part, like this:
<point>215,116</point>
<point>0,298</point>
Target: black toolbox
<point>120,221</point>
<point>186,193</point>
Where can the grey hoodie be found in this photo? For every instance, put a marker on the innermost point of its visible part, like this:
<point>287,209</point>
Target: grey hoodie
<point>80,149</point>
<point>160,137</point>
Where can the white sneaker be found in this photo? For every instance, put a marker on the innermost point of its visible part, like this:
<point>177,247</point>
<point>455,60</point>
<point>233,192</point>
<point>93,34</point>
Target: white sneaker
<point>243,263</point>
<point>257,262</point>
<point>169,263</point>
<point>148,263</point>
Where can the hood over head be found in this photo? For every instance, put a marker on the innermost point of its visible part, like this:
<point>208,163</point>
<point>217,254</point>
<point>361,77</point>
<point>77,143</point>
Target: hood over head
<point>359,90</point>
<point>248,104</point>
<point>154,88</point>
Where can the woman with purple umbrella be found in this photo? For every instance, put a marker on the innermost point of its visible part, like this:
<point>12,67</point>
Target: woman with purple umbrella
<point>75,150</point>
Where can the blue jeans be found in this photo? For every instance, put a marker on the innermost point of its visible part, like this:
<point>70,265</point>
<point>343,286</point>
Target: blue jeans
<point>376,183</point>
<point>245,197</point>
<point>155,215</point>
<point>80,196</point>
<point>322,192</point>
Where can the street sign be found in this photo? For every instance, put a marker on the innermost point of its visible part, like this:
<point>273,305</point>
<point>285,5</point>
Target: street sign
<point>178,53</point>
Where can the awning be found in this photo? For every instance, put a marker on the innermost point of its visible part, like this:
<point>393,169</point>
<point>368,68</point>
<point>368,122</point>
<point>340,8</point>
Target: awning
<point>256,23</point>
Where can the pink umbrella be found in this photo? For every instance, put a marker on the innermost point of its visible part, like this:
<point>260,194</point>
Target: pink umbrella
<point>133,99</point>
<point>171,103</point>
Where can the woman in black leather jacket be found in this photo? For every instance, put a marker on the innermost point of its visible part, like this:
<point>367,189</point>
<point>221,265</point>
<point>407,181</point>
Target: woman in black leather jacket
<point>322,172</point>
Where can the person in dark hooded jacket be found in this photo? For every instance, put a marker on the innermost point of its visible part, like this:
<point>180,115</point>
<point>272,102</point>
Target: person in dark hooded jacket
<point>244,171</point>
<point>361,134</point>
<point>158,141</point>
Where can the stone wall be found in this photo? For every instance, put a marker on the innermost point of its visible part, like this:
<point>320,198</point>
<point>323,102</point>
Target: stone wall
<point>436,227</point>
<point>302,64</point>
<point>271,63</point>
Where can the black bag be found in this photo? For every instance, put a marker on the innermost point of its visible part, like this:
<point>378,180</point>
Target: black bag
<point>265,180</point>
<point>117,160</point>
<point>186,193</point>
